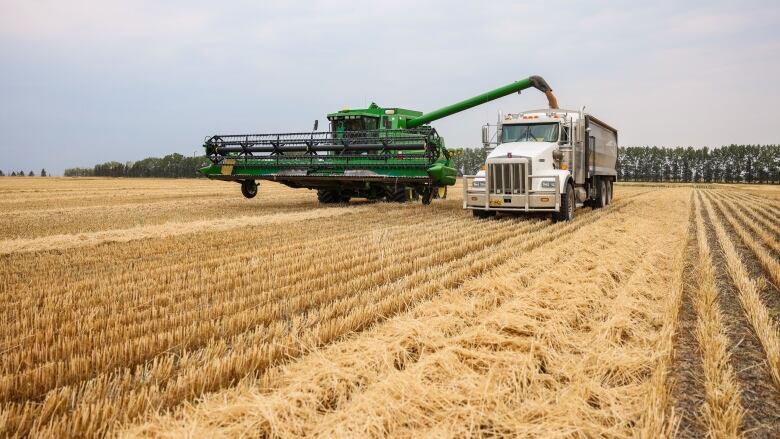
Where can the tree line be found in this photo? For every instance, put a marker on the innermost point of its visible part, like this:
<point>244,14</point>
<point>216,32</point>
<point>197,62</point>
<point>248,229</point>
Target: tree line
<point>726,164</point>
<point>22,174</point>
<point>468,161</point>
<point>170,166</point>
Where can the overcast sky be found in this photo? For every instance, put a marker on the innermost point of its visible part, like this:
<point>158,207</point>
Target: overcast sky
<point>83,81</point>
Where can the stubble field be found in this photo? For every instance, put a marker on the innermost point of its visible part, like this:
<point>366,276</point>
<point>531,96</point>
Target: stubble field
<point>175,308</point>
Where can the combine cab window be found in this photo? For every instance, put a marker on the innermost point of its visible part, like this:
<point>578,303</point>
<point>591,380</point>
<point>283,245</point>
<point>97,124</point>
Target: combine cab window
<point>538,132</point>
<point>356,124</point>
<point>356,130</point>
<point>371,123</point>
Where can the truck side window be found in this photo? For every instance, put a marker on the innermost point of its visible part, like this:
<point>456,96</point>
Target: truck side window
<point>388,122</point>
<point>565,134</point>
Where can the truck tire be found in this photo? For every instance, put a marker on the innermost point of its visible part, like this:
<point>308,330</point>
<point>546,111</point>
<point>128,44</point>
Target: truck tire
<point>396,194</point>
<point>249,188</point>
<point>327,196</point>
<point>601,194</point>
<point>567,206</point>
<point>483,213</point>
<point>609,192</point>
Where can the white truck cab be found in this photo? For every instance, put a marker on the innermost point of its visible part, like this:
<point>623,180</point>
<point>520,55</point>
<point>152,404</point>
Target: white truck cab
<point>550,160</point>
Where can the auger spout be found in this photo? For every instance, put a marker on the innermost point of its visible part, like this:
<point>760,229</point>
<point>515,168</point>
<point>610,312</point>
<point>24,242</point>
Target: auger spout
<point>533,81</point>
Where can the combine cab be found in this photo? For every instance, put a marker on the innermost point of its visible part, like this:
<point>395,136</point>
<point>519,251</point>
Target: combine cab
<point>375,153</point>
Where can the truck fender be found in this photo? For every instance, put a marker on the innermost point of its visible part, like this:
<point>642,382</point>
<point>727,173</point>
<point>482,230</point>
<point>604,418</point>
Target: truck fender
<point>563,178</point>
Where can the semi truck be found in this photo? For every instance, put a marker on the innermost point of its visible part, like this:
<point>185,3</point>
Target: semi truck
<point>549,160</point>
<point>378,153</point>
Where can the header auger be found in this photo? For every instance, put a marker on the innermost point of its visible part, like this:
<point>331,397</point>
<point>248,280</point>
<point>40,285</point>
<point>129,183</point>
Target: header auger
<point>376,153</point>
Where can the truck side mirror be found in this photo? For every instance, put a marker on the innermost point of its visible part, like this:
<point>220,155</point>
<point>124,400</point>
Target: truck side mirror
<point>486,136</point>
<point>316,124</point>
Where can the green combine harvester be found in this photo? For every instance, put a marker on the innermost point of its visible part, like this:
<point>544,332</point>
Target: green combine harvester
<point>375,153</point>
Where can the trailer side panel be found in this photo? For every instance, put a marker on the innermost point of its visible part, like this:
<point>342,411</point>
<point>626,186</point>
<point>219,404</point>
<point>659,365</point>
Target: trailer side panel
<point>602,147</point>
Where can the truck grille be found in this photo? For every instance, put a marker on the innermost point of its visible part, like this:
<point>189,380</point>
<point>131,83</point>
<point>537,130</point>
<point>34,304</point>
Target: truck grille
<point>506,178</point>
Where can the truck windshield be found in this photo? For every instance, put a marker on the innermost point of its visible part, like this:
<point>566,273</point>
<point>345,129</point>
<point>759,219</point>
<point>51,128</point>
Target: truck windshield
<point>537,132</point>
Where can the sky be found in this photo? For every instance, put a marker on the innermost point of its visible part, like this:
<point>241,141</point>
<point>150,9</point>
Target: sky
<point>88,81</point>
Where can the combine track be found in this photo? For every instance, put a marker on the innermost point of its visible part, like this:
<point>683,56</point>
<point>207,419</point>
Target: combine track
<point>288,319</point>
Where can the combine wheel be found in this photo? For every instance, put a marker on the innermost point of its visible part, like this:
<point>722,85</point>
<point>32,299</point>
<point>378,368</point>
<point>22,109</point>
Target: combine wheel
<point>326,196</point>
<point>567,206</point>
<point>427,195</point>
<point>609,191</point>
<point>396,194</point>
<point>249,188</point>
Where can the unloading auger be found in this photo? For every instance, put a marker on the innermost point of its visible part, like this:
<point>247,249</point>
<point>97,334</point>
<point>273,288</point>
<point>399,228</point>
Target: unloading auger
<point>375,153</point>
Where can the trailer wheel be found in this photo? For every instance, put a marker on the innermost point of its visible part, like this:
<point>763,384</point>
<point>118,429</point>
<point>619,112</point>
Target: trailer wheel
<point>249,188</point>
<point>601,194</point>
<point>609,192</point>
<point>483,213</point>
<point>567,206</point>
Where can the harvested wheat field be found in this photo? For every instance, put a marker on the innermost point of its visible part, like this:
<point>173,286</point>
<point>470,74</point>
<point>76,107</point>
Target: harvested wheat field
<point>176,308</point>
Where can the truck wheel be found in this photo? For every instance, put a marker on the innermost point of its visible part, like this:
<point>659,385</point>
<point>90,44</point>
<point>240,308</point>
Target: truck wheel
<point>326,196</point>
<point>601,195</point>
<point>396,194</point>
<point>567,206</point>
<point>483,213</point>
<point>249,188</point>
<point>609,192</point>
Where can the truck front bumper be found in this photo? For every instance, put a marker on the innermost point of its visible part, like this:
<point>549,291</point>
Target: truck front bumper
<point>530,201</point>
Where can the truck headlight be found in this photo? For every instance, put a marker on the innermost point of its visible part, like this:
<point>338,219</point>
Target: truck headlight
<point>548,184</point>
<point>478,183</point>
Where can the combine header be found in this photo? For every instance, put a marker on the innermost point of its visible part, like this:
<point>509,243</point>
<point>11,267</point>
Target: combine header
<point>375,153</point>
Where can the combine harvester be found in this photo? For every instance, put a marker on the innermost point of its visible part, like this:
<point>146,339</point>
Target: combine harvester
<point>374,153</point>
